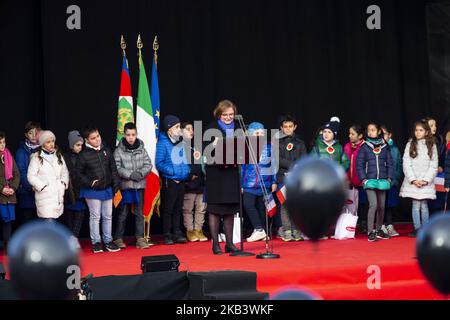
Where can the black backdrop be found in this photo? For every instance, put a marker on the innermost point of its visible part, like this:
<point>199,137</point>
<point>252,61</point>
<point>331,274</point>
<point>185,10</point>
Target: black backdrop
<point>314,59</point>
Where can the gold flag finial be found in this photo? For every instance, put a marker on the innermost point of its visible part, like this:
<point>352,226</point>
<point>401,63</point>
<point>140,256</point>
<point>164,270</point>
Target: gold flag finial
<point>123,44</point>
<point>155,49</point>
<point>140,44</point>
<point>155,44</point>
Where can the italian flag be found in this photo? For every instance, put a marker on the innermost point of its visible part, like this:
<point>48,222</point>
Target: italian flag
<point>145,124</point>
<point>125,108</point>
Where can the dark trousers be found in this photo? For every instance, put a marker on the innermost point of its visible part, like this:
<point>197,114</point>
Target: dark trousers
<point>255,209</point>
<point>7,227</point>
<point>29,214</point>
<point>172,197</point>
<point>139,218</point>
<point>74,221</point>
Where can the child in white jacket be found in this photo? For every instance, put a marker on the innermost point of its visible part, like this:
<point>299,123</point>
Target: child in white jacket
<point>420,165</point>
<point>49,177</point>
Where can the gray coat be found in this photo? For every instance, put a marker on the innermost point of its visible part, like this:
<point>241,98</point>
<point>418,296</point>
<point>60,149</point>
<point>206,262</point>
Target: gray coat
<point>128,161</point>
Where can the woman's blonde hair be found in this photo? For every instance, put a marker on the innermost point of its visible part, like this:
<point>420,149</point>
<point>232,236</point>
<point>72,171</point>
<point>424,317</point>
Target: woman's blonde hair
<point>222,106</point>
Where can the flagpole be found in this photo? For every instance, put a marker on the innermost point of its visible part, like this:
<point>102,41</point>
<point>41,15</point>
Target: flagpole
<point>155,54</point>
<point>123,45</point>
<point>140,45</point>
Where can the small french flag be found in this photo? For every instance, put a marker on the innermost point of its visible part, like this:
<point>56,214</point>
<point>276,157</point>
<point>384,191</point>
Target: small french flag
<point>271,206</point>
<point>439,182</point>
<point>281,195</point>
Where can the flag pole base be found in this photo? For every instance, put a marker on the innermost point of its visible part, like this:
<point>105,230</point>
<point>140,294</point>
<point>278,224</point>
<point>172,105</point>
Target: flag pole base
<point>268,255</point>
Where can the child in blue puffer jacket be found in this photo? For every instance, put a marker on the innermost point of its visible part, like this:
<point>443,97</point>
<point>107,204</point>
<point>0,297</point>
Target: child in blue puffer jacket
<point>254,177</point>
<point>171,162</point>
<point>375,169</point>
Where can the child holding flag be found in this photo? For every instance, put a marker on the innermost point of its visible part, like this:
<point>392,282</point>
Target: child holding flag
<point>254,177</point>
<point>291,148</point>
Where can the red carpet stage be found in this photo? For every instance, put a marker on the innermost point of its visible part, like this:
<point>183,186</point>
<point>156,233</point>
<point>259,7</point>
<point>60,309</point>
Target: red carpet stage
<point>334,269</point>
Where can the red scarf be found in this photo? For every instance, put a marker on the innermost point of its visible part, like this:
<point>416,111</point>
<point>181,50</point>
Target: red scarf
<point>8,161</point>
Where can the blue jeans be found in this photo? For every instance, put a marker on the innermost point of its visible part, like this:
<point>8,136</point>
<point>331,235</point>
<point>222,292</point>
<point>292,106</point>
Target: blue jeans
<point>419,210</point>
<point>97,209</point>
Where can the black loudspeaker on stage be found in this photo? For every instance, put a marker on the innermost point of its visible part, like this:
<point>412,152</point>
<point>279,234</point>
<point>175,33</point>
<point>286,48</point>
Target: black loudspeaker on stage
<point>160,263</point>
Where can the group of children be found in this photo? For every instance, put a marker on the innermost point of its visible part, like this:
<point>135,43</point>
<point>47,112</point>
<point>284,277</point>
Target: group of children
<point>375,170</point>
<point>47,183</point>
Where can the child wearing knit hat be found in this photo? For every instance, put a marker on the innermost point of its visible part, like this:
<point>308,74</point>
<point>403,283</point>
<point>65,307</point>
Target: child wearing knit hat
<point>74,206</point>
<point>49,177</point>
<point>328,147</point>
<point>254,178</point>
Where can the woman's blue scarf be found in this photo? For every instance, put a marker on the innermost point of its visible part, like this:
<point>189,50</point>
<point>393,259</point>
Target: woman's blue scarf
<point>228,128</point>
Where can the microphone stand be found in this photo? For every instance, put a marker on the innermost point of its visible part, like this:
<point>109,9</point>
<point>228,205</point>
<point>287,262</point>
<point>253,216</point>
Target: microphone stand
<point>241,253</point>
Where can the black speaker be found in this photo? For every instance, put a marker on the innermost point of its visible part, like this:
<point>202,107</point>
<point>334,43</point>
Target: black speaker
<point>224,285</point>
<point>160,263</point>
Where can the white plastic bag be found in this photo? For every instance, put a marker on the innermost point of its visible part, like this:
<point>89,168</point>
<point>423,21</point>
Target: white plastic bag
<point>346,226</point>
<point>236,230</point>
<point>351,201</point>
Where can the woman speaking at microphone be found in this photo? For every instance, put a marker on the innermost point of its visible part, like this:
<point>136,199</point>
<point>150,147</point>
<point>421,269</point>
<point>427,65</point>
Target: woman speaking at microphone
<point>222,179</point>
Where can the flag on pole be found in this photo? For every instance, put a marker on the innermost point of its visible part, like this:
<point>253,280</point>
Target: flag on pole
<point>154,89</point>
<point>281,195</point>
<point>146,132</point>
<point>125,108</point>
<point>271,206</point>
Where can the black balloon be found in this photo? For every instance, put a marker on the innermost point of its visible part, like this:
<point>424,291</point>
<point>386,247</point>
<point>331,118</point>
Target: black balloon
<point>39,256</point>
<point>315,195</point>
<point>295,294</point>
<point>433,252</point>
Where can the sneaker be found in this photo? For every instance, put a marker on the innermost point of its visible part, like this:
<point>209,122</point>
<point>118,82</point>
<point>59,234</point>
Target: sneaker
<point>297,235</point>
<point>382,235</point>
<point>305,237</point>
<point>413,234</point>
<point>142,244</point>
<point>75,242</point>
<point>257,235</point>
<point>391,231</point>
<point>324,238</point>
<point>201,236</point>
<point>112,247</point>
<point>287,236</point>
<point>120,243</point>
<point>168,239</point>
<point>191,236</point>
<point>280,233</point>
<point>97,247</point>
<point>179,238</point>
<point>372,236</point>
